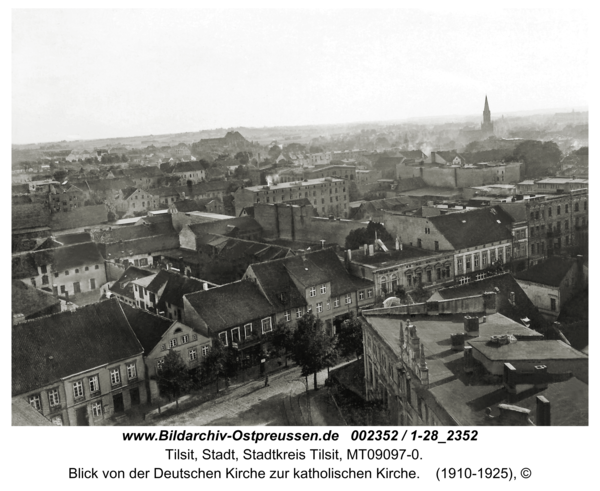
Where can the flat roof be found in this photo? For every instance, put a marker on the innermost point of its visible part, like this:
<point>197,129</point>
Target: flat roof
<point>308,182</point>
<point>463,396</point>
<point>524,351</point>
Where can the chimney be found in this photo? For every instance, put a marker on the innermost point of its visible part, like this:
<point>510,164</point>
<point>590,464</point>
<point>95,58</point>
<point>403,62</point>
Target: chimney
<point>397,244</point>
<point>349,255</point>
<point>365,249</point>
<point>371,250</point>
<point>471,326</point>
<point>458,341</point>
<point>322,244</point>
<point>542,411</point>
<point>205,286</point>
<point>469,361</point>
<point>18,318</point>
<point>70,305</point>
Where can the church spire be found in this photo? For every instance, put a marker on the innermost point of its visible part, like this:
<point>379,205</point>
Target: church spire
<point>486,108</point>
<point>487,126</point>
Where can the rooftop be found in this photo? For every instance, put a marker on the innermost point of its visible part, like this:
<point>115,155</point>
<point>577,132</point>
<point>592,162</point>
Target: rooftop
<point>392,257</point>
<point>283,185</point>
<point>47,349</point>
<point>550,272</point>
<point>28,300</point>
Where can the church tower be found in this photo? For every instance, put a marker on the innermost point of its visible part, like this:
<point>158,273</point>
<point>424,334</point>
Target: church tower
<point>487,126</point>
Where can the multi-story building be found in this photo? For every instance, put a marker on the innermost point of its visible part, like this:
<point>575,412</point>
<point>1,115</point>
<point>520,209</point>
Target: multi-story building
<point>158,336</point>
<point>163,292</point>
<point>425,372</point>
<point>409,267</point>
<point>329,196</point>
<point>79,368</point>
<point>193,171</point>
<point>480,239</point>
<point>557,223</point>
<point>552,185</point>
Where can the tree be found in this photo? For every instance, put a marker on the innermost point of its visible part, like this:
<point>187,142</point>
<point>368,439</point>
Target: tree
<point>219,362</point>
<point>351,338</point>
<point>174,380</point>
<point>360,236</point>
<point>538,157</point>
<point>282,339</point>
<point>312,347</point>
<point>60,175</point>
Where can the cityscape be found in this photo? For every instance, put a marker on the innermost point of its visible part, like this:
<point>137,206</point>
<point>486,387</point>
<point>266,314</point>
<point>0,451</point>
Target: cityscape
<point>430,270</point>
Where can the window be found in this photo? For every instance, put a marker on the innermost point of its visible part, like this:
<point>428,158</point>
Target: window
<point>553,304</point>
<point>576,206</point>
<point>57,420</point>
<point>54,397</point>
<point>78,389</point>
<point>223,338</point>
<point>96,266</point>
<point>369,293</point>
<point>419,243</point>
<point>549,211</point>
<point>319,307</point>
<point>336,302</point>
<point>313,291</point>
<point>87,268</point>
<point>323,289</point>
<point>185,339</point>
<point>173,343</point>
<point>45,280</point>
<point>247,331</point>
<point>468,261</point>
<point>44,269</point>
<point>438,274</point>
<point>115,376</point>
<point>288,316</point>
<point>159,364</point>
<point>205,349</point>
<point>429,276</point>
<point>266,325</point>
<point>235,335</point>
<point>56,275</point>
<point>94,385</point>
<point>436,245</point>
<point>76,271</point>
<point>558,210</point>
<point>566,208</point>
<point>361,295</point>
<point>131,371</point>
<point>348,299</point>
<point>299,313</point>
<point>144,262</point>
<point>35,402</point>
<point>427,230</point>
<point>66,273</point>
<point>96,409</point>
<point>192,354</point>
<point>459,263</point>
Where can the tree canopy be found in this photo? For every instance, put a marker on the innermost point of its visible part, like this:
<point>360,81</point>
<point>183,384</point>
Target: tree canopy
<point>360,236</point>
<point>538,157</point>
<point>219,362</point>
<point>173,378</point>
<point>351,338</point>
<point>313,348</point>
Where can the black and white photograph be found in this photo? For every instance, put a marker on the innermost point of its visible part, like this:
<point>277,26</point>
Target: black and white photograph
<point>363,220</point>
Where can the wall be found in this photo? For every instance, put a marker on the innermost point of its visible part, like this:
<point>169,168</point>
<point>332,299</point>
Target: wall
<point>83,277</point>
<point>299,223</point>
<point>461,177</point>
<point>85,216</point>
<point>540,295</point>
<point>410,228</point>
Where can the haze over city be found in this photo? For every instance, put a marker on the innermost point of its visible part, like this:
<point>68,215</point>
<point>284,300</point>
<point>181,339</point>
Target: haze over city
<point>115,73</point>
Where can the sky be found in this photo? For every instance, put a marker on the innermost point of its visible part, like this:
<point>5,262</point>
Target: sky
<point>85,74</point>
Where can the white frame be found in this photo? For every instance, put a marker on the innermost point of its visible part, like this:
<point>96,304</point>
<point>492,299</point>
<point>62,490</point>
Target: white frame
<point>131,368</point>
<point>262,325</point>
<point>77,387</point>
<point>116,379</point>
<point>246,326</point>
<point>95,380</point>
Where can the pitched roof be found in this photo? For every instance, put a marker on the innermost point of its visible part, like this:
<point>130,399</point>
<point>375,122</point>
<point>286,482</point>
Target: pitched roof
<point>148,328</point>
<point>472,228</point>
<point>105,185</point>
<point>127,192</point>
<point>517,211</point>
<point>191,166</point>
<point>175,287</point>
<point>214,306</point>
<point>69,257</point>
<point>116,234</point>
<point>138,172</point>
<point>28,300</point>
<point>46,349</point>
<point>123,285</point>
<point>30,215</point>
<point>551,272</point>
<point>330,264</point>
<point>186,205</point>
<point>142,245</point>
<point>277,285</point>
<point>65,239</point>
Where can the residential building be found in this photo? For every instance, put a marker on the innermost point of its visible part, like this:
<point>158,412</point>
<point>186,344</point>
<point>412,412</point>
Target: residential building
<point>193,171</point>
<point>238,314</point>
<point>329,196</point>
<point>79,368</point>
<point>123,288</point>
<point>552,283</point>
<point>162,292</point>
<point>159,336</point>
<point>556,185</point>
<point>557,223</point>
<point>425,372</point>
<point>408,268</point>
<point>144,177</point>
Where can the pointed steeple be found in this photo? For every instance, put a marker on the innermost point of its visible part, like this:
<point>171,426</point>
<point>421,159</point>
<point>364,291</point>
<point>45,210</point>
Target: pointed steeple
<point>486,108</point>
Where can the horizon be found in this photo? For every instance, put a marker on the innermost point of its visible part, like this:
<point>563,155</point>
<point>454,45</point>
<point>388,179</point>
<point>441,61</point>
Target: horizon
<point>107,74</point>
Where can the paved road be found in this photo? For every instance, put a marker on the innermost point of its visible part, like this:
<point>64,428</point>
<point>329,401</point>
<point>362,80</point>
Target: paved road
<point>283,403</point>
